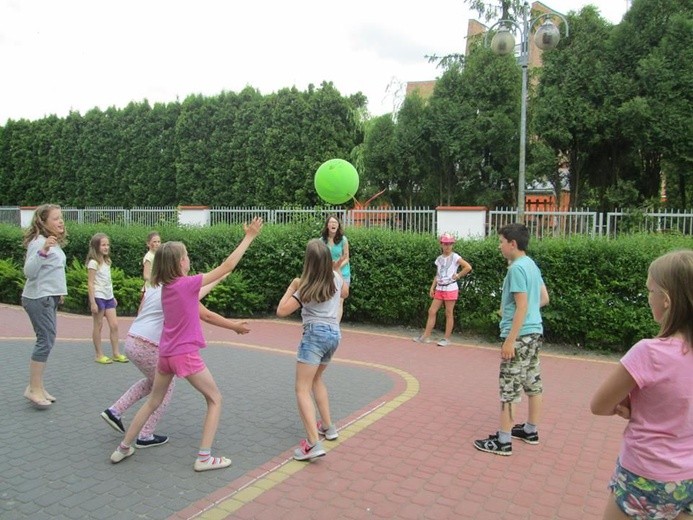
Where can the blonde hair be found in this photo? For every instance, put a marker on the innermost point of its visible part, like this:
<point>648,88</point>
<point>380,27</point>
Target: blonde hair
<point>38,225</point>
<point>95,250</point>
<point>317,280</point>
<point>673,273</point>
<point>166,266</point>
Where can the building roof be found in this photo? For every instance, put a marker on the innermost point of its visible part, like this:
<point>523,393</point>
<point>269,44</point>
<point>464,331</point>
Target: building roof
<point>424,88</point>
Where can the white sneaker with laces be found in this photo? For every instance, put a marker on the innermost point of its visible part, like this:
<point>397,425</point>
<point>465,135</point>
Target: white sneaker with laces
<point>118,455</point>
<point>443,342</point>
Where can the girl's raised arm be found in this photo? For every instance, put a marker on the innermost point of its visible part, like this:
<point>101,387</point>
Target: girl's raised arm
<point>206,289</point>
<point>251,231</point>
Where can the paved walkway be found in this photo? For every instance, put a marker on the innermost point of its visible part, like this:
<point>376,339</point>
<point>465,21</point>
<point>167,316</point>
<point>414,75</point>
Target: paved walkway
<point>407,415</point>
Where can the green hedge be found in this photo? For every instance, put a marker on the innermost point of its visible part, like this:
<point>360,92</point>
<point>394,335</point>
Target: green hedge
<point>597,286</point>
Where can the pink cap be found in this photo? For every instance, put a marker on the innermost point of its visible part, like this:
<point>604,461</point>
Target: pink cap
<point>447,238</point>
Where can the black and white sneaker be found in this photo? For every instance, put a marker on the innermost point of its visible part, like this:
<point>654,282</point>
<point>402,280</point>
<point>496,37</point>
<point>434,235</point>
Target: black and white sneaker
<point>158,440</point>
<point>493,445</point>
<point>112,420</point>
<point>518,432</point>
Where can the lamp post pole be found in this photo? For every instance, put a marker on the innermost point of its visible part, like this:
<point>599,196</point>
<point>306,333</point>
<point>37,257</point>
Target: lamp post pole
<point>503,42</point>
<point>524,63</point>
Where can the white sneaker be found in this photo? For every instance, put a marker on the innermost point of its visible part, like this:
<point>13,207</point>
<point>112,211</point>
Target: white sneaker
<point>421,339</point>
<point>118,455</point>
<point>212,463</point>
<point>443,342</point>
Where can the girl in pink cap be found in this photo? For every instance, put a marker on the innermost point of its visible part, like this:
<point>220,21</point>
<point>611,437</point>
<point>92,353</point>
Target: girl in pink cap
<point>444,289</point>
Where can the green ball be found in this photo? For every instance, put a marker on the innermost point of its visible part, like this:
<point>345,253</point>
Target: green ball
<point>336,181</point>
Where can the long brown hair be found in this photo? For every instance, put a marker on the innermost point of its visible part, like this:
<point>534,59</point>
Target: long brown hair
<point>38,225</point>
<point>95,250</point>
<point>326,232</point>
<point>673,272</point>
<point>317,280</point>
<point>166,266</point>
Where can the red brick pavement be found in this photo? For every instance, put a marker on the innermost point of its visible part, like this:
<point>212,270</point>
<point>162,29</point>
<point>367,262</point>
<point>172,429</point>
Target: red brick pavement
<point>409,455</point>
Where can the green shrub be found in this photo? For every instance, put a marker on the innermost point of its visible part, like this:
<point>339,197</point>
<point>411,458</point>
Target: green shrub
<point>235,296</point>
<point>597,286</point>
<point>11,282</point>
<point>127,290</point>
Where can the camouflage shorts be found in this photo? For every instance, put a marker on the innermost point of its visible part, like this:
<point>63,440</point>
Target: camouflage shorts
<point>523,371</point>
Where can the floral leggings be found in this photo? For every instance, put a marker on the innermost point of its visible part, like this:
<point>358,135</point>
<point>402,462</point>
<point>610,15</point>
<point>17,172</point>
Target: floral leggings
<point>144,355</point>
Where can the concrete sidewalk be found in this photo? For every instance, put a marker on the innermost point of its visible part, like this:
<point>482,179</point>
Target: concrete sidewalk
<point>407,414</point>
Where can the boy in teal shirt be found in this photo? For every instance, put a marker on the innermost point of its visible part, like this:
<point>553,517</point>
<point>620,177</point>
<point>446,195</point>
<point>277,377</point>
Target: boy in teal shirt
<point>524,293</point>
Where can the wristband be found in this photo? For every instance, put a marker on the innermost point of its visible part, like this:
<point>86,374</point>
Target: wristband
<point>42,254</point>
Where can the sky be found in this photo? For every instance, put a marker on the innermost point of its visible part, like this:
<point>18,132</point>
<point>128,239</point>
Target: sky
<point>58,56</point>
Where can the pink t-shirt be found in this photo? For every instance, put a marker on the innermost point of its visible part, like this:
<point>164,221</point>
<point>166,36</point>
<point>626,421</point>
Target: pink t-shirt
<point>658,440</point>
<point>182,331</point>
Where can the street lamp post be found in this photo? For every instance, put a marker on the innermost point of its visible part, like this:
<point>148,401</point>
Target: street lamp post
<point>503,42</point>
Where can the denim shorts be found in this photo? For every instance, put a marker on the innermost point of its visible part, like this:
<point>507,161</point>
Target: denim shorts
<point>318,343</point>
<point>640,497</point>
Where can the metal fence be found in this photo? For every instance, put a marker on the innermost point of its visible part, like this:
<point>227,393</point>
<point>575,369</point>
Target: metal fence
<point>273,216</point>
<point>413,220</point>
<point>662,221</point>
<point>550,223</point>
<point>10,215</point>
<point>150,217</point>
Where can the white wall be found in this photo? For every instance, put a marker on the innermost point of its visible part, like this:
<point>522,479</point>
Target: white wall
<point>462,221</point>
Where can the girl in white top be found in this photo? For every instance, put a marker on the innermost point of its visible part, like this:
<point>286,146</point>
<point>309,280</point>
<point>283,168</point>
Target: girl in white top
<point>153,243</point>
<point>44,290</point>
<point>444,289</point>
<point>102,302</point>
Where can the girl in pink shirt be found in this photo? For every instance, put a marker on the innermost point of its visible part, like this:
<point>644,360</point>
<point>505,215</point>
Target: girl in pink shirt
<point>652,388</point>
<point>181,340</point>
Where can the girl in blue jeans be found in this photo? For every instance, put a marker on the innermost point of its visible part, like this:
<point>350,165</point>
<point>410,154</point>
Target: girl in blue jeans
<point>317,293</point>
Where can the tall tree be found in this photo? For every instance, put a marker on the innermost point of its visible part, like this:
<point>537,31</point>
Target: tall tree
<point>380,157</point>
<point>569,112</point>
<point>652,50</point>
<point>412,145</point>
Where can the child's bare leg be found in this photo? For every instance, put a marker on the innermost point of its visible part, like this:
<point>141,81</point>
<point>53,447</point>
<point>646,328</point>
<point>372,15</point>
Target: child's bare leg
<point>204,383</point>
<point>507,416</point>
<point>535,408</point>
<point>35,390</point>
<point>449,317</point>
<point>321,398</point>
<point>613,512</point>
<point>305,375</point>
<point>159,389</point>
<point>432,313</point>
<point>96,333</point>
<point>112,320</point>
